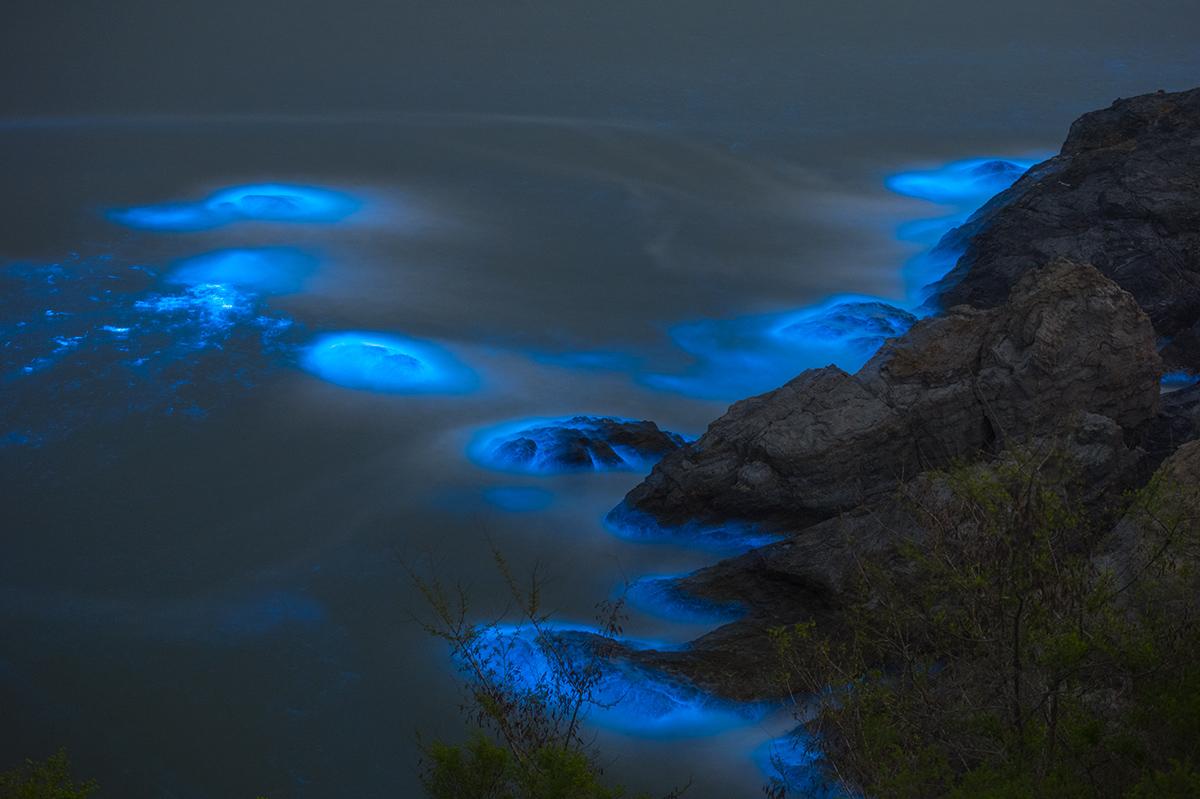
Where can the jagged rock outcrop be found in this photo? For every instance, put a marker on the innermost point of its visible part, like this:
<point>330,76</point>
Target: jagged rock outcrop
<point>1124,196</point>
<point>1068,340</point>
<point>805,577</point>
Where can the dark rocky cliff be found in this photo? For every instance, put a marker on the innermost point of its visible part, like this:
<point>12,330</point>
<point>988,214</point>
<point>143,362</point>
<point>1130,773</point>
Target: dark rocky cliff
<point>1123,196</point>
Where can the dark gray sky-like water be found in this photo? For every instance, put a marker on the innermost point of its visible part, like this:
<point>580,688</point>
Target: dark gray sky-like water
<point>199,588</point>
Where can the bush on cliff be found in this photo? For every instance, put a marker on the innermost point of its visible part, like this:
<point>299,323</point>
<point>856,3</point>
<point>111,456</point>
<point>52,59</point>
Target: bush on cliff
<point>1022,646</point>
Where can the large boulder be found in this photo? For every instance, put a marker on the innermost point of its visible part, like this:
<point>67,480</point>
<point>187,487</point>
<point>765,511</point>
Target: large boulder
<point>1123,195</point>
<point>805,577</point>
<point>1068,340</point>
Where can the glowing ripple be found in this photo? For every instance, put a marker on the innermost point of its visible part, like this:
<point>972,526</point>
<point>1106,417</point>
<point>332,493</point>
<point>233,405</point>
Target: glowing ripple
<point>660,595</point>
<point>629,698</point>
<point>263,202</point>
<point>572,444</point>
<point>270,270</point>
<point>969,182</point>
<point>387,363</point>
<point>728,537</point>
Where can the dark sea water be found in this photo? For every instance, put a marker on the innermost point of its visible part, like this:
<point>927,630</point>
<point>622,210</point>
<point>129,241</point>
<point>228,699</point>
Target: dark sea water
<point>632,210</point>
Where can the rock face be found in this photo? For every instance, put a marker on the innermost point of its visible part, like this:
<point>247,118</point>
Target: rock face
<point>804,577</point>
<point>1068,340</point>
<point>580,443</point>
<point>1124,196</point>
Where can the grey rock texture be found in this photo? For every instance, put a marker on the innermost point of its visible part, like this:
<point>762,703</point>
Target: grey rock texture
<point>1067,341</point>
<point>804,577</point>
<point>1123,195</point>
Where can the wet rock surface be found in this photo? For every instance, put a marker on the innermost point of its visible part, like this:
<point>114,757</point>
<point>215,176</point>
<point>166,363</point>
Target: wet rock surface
<point>580,443</point>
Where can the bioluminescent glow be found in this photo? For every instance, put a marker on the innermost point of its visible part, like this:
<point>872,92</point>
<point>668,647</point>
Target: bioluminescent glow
<point>268,270</point>
<point>794,764</point>
<point>572,444</point>
<point>969,182</point>
<point>751,354</point>
<point>748,355</point>
<point>725,538</point>
<point>629,698</point>
<point>861,324</point>
<point>1180,379</point>
<point>387,363</point>
<point>519,499</point>
<point>262,202</point>
<point>660,595</point>
<point>89,342</point>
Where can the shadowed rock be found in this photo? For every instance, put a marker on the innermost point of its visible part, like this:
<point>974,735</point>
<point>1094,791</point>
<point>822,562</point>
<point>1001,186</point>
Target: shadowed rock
<point>1123,195</point>
<point>1067,341</point>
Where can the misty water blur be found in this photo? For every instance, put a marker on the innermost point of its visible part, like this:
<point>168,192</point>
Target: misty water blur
<point>212,603</point>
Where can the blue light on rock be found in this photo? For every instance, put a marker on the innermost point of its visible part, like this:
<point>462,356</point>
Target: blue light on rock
<point>728,538</point>
<point>751,354</point>
<point>262,202</point>
<point>387,363</point>
<point>629,698</point>
<point>572,444</point>
<point>969,182</point>
<point>1179,379</point>
<point>853,325</point>
<point>269,270</point>
<point>660,595</point>
<point>519,499</point>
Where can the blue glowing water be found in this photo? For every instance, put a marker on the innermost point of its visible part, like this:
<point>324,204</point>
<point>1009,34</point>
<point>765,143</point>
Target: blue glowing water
<point>1179,379</point>
<point>660,595</point>
<point>388,363</point>
<point>793,763</point>
<point>727,538</point>
<point>972,181</point>
<point>263,202</point>
<point>627,698</point>
<point>90,341</point>
<point>268,270</point>
<point>747,355</point>
<point>571,444</point>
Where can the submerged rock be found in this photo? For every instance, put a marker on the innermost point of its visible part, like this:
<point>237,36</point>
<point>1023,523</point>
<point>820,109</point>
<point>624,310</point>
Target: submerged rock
<point>1067,341</point>
<point>1123,195</point>
<point>575,444</point>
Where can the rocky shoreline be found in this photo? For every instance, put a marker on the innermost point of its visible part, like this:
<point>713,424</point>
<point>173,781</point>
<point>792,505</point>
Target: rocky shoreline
<point>1073,293</point>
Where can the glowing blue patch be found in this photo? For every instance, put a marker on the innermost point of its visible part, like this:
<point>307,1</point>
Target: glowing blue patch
<point>270,270</point>
<point>748,355</point>
<point>661,596</point>
<point>519,499</point>
<point>795,764</point>
<point>628,698</point>
<point>91,342</point>
<point>730,537</point>
<point>387,363</point>
<point>751,354</point>
<point>969,182</point>
<point>569,444</point>
<point>859,325</point>
<point>1179,379</point>
<point>264,202</point>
